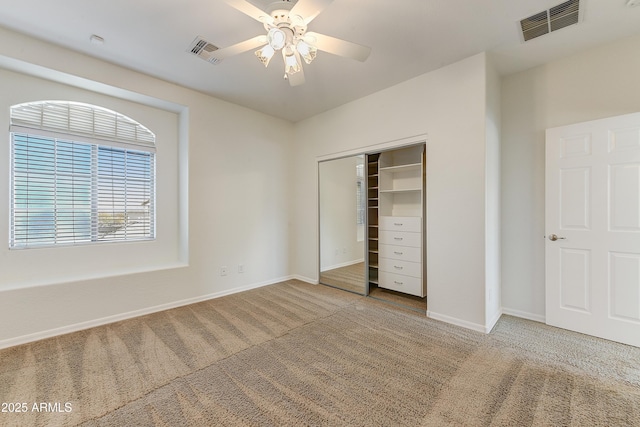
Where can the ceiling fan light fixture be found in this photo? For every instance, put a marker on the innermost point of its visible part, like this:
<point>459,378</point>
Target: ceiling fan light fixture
<point>277,38</point>
<point>297,20</point>
<point>286,30</point>
<point>308,53</point>
<point>291,64</point>
<point>265,54</point>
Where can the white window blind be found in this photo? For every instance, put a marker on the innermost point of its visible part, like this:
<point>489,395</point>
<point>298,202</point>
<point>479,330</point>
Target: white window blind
<point>66,190</point>
<point>79,119</point>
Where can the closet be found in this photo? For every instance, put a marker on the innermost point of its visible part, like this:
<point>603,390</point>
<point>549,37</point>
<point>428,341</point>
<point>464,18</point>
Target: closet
<point>396,220</point>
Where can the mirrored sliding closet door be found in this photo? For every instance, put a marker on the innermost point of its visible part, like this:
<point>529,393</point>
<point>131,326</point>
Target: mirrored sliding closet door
<point>342,223</point>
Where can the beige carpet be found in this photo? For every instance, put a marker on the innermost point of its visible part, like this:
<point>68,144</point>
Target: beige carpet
<point>399,298</point>
<point>296,354</point>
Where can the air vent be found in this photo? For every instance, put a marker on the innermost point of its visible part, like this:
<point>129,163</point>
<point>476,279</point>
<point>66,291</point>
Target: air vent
<point>560,16</point>
<point>203,49</point>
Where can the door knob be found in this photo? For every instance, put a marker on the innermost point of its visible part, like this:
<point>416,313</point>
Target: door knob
<point>554,237</point>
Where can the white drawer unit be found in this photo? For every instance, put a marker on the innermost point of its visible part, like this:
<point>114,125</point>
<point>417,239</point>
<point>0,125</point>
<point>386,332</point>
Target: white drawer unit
<point>398,220</point>
<point>398,282</point>
<point>401,238</point>
<point>405,268</point>
<point>402,253</point>
<point>401,223</point>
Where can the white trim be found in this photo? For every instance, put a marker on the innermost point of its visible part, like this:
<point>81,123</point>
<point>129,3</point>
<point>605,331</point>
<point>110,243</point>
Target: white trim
<point>97,276</point>
<point>183,185</point>
<point>492,323</point>
<point>304,279</point>
<point>397,143</point>
<point>458,322</point>
<point>43,72</point>
<point>343,264</point>
<point>24,339</point>
<point>524,315</point>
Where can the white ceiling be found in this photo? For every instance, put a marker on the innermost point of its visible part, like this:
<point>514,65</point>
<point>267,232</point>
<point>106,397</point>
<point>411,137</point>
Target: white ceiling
<point>407,38</point>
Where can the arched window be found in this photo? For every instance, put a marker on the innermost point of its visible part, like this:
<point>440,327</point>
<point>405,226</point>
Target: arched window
<point>79,174</point>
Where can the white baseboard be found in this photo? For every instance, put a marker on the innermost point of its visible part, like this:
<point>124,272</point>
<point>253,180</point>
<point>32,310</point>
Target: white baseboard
<point>343,264</point>
<point>305,279</point>
<point>136,313</point>
<point>492,322</point>
<point>458,322</point>
<point>524,315</point>
<point>485,329</point>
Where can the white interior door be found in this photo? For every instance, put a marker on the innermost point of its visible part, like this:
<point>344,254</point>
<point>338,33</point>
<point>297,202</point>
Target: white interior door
<point>592,221</point>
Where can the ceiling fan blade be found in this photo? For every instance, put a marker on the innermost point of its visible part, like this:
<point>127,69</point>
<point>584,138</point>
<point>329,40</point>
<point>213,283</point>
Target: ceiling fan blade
<point>309,9</point>
<point>297,79</point>
<point>338,46</point>
<point>250,10</point>
<point>239,47</point>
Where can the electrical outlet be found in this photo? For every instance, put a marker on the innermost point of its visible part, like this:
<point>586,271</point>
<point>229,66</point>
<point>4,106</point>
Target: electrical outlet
<point>224,271</point>
<point>240,268</point>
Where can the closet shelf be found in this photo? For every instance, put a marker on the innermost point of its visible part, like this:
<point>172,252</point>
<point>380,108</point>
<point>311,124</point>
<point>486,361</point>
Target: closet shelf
<point>404,190</point>
<point>402,168</point>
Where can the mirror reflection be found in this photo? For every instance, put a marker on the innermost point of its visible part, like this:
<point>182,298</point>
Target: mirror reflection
<point>342,223</point>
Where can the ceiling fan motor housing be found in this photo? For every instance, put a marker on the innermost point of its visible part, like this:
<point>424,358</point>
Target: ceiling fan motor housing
<point>294,27</point>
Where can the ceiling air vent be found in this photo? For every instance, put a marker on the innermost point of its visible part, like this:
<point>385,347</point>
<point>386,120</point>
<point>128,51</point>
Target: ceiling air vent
<point>560,16</point>
<point>203,49</point>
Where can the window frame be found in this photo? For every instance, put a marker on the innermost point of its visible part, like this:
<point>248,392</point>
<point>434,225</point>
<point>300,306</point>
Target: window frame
<point>125,144</point>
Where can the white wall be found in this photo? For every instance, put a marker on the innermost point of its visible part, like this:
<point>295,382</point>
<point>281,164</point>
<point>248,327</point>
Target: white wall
<point>234,186</point>
<point>449,105</point>
<point>598,83</point>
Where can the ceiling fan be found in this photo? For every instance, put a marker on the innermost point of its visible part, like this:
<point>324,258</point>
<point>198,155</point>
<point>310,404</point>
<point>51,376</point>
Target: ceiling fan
<point>286,25</point>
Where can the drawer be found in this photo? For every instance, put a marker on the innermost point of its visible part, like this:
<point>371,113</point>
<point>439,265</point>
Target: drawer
<point>398,282</point>
<point>406,268</point>
<point>401,238</point>
<point>401,223</point>
<point>402,253</point>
